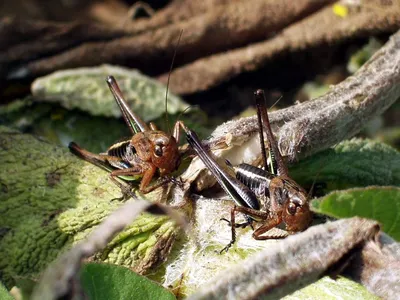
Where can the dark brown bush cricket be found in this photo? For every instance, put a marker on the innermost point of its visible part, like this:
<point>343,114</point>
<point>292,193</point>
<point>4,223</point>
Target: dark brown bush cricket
<point>148,151</point>
<point>268,197</point>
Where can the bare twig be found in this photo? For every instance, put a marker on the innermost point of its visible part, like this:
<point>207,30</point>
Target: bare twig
<point>239,23</point>
<point>291,264</point>
<point>378,268</point>
<point>321,28</point>
<point>176,11</point>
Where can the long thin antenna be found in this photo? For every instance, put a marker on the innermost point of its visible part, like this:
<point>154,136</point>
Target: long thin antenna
<point>276,102</point>
<point>320,168</point>
<point>169,75</point>
<point>186,109</point>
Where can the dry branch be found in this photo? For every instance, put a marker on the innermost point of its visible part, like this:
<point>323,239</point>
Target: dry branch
<point>223,28</point>
<point>177,11</point>
<point>321,28</point>
<point>291,264</point>
<point>30,49</point>
<point>22,41</point>
<point>62,277</point>
<point>312,126</point>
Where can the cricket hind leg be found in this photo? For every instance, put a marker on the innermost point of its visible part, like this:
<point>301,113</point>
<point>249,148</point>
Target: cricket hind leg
<point>96,159</point>
<point>106,162</point>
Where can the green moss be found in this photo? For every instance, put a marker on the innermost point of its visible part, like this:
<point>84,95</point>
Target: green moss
<point>50,199</point>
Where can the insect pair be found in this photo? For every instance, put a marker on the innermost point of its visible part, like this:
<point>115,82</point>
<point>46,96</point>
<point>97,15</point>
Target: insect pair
<point>266,195</point>
<point>269,197</point>
<point>147,152</point>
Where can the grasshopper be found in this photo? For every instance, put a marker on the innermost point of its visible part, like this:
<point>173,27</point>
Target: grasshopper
<point>268,197</point>
<point>147,151</point>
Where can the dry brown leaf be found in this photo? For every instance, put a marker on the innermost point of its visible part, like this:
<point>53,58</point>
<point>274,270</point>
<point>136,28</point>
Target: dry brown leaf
<point>320,28</point>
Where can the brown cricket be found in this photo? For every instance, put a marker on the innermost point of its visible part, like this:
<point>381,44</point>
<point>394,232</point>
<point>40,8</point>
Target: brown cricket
<point>148,150</point>
<point>265,195</point>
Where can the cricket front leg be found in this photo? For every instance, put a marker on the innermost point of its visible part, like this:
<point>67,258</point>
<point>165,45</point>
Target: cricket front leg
<point>270,222</point>
<point>146,170</point>
<point>125,188</point>
<point>233,231</point>
<point>145,186</point>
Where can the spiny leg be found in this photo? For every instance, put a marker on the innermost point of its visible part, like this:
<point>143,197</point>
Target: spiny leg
<point>270,223</point>
<point>160,182</point>
<point>249,212</point>
<point>146,187</point>
<point>134,122</point>
<point>272,144</point>
<point>249,222</point>
<point>96,159</point>
<point>126,188</point>
<point>233,231</point>
<point>146,170</point>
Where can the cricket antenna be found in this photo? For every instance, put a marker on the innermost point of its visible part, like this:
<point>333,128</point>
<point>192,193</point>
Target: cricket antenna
<point>169,75</point>
<point>321,167</point>
<point>276,102</point>
<point>185,110</point>
<point>310,192</point>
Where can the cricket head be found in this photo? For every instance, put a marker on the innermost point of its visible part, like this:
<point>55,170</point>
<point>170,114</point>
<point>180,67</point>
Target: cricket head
<point>296,210</point>
<point>158,148</point>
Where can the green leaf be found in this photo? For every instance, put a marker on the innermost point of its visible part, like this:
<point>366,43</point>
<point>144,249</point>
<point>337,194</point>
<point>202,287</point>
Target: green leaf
<point>328,288</point>
<point>352,163</point>
<point>61,126</point>
<point>87,90</point>
<point>104,281</point>
<point>361,56</point>
<point>25,286</point>
<point>379,203</point>
<point>4,294</point>
<point>61,199</point>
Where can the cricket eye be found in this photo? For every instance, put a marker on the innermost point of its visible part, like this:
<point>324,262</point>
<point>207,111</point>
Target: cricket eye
<point>292,209</point>
<point>158,150</point>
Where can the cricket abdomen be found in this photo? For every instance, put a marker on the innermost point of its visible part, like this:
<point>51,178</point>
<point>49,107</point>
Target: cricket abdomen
<point>121,150</point>
<point>256,179</point>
